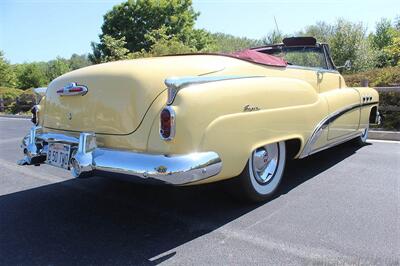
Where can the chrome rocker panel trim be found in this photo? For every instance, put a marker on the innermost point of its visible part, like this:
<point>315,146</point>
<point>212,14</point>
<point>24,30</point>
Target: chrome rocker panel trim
<point>171,169</point>
<point>316,134</point>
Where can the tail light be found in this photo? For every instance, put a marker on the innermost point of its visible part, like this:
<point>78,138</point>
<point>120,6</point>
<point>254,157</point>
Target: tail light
<point>167,123</point>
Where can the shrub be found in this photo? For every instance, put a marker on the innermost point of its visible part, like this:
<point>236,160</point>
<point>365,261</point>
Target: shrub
<point>16,100</point>
<point>383,77</point>
<point>379,77</point>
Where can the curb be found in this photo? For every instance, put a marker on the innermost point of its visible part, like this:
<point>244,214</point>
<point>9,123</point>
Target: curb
<point>384,135</point>
<point>16,116</point>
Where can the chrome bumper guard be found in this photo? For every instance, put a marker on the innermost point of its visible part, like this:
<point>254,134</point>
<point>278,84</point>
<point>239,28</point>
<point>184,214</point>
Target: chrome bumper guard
<point>87,157</point>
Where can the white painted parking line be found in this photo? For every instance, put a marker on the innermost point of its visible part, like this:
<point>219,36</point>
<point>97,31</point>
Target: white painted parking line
<point>28,171</point>
<point>10,140</point>
<point>384,141</point>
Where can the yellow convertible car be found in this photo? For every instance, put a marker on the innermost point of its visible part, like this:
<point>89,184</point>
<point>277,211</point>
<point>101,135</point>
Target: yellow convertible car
<point>198,118</point>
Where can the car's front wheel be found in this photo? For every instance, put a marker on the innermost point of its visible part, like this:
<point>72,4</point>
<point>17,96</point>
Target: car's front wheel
<point>361,140</point>
<point>263,172</point>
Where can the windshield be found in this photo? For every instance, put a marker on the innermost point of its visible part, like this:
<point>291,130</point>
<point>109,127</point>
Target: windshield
<point>300,56</point>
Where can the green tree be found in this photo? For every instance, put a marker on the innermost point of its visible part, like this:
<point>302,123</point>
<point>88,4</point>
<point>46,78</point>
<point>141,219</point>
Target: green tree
<point>78,61</point>
<point>31,75</point>
<point>392,51</point>
<point>321,31</point>
<point>228,43</point>
<point>348,42</point>
<point>164,44</point>
<point>385,41</point>
<point>127,24</point>
<point>56,68</point>
<point>273,37</point>
<point>382,36</point>
<point>7,74</point>
<point>110,49</point>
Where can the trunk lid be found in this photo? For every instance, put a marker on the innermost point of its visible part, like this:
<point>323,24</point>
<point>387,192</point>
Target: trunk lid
<point>119,93</point>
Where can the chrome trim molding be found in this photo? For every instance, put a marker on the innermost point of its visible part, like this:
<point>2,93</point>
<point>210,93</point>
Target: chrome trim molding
<point>317,69</point>
<point>337,142</point>
<point>316,134</point>
<point>69,90</point>
<point>87,157</point>
<point>174,84</point>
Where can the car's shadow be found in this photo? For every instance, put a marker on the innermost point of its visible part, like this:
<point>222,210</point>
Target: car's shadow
<point>110,221</point>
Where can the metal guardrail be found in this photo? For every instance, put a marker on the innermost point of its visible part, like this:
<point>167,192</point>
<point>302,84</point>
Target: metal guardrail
<point>387,89</point>
<point>390,108</point>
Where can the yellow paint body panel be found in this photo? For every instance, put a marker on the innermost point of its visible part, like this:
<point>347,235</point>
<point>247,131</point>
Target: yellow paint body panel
<point>125,99</point>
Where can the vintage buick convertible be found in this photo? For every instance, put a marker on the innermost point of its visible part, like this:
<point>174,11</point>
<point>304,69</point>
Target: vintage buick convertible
<point>199,118</point>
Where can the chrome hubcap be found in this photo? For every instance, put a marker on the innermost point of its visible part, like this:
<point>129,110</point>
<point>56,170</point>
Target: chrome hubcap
<point>265,163</point>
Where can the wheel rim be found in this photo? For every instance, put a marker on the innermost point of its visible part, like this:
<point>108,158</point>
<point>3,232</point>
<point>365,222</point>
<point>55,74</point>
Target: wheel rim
<point>265,162</point>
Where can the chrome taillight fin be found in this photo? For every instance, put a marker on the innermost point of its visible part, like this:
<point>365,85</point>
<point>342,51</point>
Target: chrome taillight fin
<point>174,84</point>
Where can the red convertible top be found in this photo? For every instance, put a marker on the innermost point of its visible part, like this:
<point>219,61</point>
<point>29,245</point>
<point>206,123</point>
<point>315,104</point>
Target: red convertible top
<point>247,55</point>
<point>259,58</point>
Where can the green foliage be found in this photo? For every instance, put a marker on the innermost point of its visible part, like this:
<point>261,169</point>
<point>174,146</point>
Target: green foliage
<point>78,61</point>
<point>56,68</point>
<point>321,31</point>
<point>379,77</point>
<point>109,49</point>
<point>128,24</point>
<point>9,94</point>
<point>386,42</point>
<point>392,51</point>
<point>164,44</point>
<point>225,43</point>
<point>273,37</point>
<point>382,36</point>
<point>7,74</point>
<point>31,75</point>
<point>348,42</point>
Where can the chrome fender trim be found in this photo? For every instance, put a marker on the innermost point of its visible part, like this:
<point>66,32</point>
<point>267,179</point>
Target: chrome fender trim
<point>174,84</point>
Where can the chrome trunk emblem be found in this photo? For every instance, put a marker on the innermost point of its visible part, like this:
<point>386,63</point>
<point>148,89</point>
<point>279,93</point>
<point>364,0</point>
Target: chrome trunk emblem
<point>72,89</point>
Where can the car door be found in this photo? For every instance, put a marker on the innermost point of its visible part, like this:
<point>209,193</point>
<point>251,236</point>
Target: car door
<point>343,104</point>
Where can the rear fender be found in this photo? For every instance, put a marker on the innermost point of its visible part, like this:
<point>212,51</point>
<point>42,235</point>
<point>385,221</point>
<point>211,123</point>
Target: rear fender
<point>234,117</point>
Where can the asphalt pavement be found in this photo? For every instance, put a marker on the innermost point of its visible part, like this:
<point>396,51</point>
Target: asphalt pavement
<point>339,206</point>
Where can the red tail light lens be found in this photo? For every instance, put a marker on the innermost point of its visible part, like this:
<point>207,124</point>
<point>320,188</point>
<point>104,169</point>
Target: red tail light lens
<point>167,123</point>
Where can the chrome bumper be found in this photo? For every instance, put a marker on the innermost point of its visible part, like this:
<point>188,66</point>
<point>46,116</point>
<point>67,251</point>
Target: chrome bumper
<point>87,157</point>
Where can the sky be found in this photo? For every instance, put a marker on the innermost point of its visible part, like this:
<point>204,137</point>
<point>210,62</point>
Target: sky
<point>41,30</point>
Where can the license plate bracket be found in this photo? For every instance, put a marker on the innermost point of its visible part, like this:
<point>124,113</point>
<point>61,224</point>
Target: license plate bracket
<point>58,155</point>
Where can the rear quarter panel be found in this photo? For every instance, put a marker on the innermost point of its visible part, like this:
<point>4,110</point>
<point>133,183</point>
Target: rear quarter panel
<point>210,117</point>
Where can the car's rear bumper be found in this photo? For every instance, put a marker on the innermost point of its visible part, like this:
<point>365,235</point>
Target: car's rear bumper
<point>87,157</point>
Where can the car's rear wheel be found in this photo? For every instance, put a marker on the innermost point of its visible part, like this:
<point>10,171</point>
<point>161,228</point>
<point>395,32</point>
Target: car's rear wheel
<point>263,172</point>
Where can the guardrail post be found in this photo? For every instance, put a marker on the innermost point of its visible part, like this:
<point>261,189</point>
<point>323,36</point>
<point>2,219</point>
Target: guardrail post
<point>364,83</point>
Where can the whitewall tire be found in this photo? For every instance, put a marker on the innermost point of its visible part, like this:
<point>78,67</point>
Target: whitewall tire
<point>263,172</point>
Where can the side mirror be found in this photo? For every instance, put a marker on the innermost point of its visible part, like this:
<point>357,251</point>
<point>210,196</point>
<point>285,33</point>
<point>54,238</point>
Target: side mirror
<point>346,66</point>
